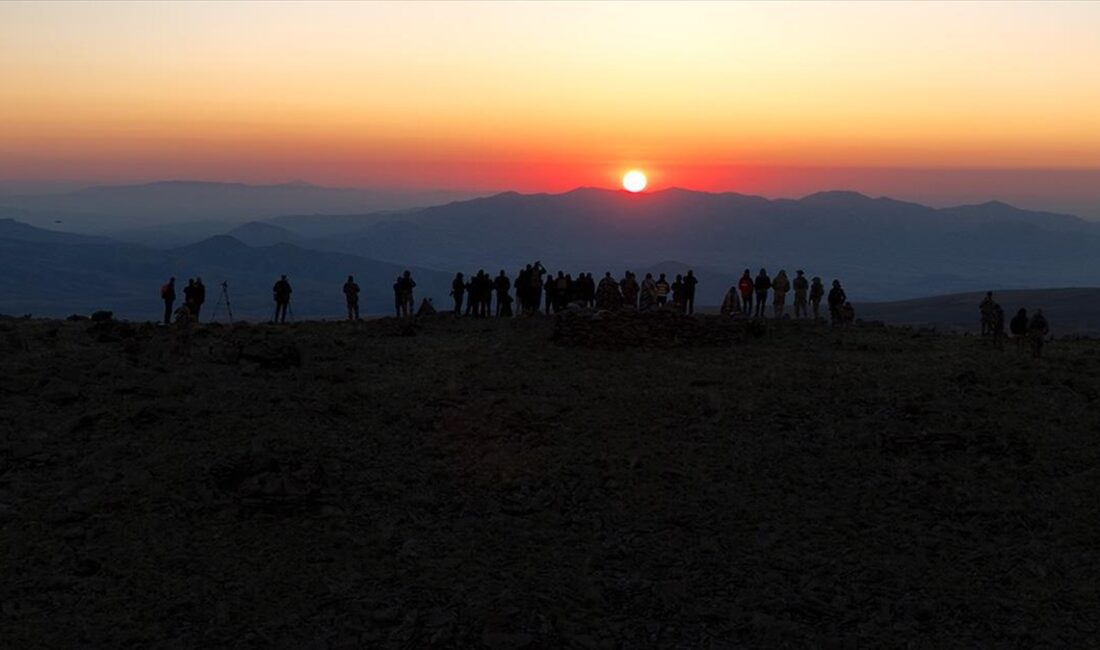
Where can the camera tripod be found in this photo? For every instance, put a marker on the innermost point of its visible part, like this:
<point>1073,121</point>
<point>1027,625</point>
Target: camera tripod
<point>224,298</point>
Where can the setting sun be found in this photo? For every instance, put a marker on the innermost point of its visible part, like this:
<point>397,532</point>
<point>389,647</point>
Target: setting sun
<point>634,181</point>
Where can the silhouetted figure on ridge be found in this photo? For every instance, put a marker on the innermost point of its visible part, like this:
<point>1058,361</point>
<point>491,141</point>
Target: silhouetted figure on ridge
<point>780,286</point>
<point>663,290</point>
<point>168,295</point>
<point>503,285</point>
<point>1018,327</point>
<point>986,310</point>
<point>837,298</point>
<point>607,294</point>
<point>689,283</point>
<point>761,286</point>
<point>200,297</point>
<point>745,287</point>
<point>1037,330</point>
<point>189,296</point>
<point>282,293</point>
<point>351,298</point>
<point>647,298</point>
<point>817,292</point>
<point>801,286</point>
<point>998,326</point>
<point>407,286</point>
<point>630,289</point>
<point>458,290</point>
<point>551,290</point>
<point>678,293</point>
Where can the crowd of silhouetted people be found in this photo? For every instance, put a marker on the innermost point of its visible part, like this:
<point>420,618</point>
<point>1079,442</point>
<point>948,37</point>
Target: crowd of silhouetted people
<point>536,290</point>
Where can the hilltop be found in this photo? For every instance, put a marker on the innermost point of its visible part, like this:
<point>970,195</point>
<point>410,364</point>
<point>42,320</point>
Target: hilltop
<point>467,483</point>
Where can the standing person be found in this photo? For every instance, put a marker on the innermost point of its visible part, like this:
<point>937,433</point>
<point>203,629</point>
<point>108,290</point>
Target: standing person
<point>678,293</point>
<point>837,298</point>
<point>400,305</point>
<point>817,292</point>
<point>985,307</point>
<point>648,297</point>
<point>761,286</point>
<point>458,289</point>
<point>662,290</point>
<point>200,297</point>
<point>607,294</point>
<point>801,286</point>
<point>502,285</point>
<point>1018,327</point>
<point>561,291</point>
<point>351,297</point>
<point>745,288</point>
<point>1037,330</point>
<point>282,293</point>
<point>780,286</point>
<point>168,295</point>
<point>536,286</point>
<point>630,288</point>
<point>551,290</point>
<point>189,296</point>
<point>689,291</point>
<point>407,285</point>
<point>998,327</point>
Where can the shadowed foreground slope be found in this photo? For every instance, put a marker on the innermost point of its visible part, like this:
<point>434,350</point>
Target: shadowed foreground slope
<point>477,485</point>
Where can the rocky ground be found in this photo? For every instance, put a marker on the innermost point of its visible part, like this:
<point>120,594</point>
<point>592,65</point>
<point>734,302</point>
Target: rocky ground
<point>464,483</point>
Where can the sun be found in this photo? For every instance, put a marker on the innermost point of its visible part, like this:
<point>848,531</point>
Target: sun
<point>634,181</point>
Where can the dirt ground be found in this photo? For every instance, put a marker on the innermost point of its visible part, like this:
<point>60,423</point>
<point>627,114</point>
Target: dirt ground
<point>465,483</point>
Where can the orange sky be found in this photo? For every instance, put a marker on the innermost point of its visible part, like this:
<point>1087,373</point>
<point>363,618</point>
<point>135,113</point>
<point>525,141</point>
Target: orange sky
<point>748,97</point>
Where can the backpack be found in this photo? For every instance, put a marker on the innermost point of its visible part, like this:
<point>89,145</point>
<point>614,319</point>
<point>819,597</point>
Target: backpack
<point>165,291</point>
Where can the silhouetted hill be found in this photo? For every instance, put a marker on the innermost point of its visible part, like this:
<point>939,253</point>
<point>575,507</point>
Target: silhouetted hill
<point>17,230</point>
<point>56,279</point>
<point>1070,311</point>
<point>882,248</point>
<point>259,233</point>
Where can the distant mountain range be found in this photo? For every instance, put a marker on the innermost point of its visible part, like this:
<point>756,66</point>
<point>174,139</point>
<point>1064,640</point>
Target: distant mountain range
<point>57,274</point>
<point>882,249</point>
<point>197,209</point>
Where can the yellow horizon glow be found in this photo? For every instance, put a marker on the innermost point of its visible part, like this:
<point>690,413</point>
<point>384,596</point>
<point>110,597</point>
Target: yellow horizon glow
<point>270,90</point>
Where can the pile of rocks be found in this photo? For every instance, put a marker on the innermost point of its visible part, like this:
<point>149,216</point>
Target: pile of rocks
<point>664,328</point>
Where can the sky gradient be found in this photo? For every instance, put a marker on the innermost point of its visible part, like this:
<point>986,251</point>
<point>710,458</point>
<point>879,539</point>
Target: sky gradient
<point>940,102</point>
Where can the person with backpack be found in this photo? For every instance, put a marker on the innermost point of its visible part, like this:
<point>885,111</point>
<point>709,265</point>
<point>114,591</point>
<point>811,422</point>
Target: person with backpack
<point>780,286</point>
<point>1037,330</point>
<point>168,295</point>
<point>801,287</point>
<point>745,288</point>
<point>761,286</point>
<point>282,292</point>
<point>351,297</point>
<point>837,298</point>
<point>817,292</point>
